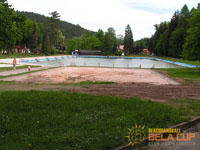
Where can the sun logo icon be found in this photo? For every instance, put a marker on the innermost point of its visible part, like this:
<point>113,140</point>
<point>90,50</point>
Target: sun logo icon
<point>136,134</point>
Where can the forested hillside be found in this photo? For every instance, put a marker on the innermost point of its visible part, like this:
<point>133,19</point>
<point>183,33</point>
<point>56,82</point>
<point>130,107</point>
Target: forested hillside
<point>69,30</point>
<point>180,37</point>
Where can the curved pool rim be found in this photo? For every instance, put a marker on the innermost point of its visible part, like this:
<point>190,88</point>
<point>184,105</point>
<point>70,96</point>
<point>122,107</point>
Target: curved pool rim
<point>51,58</point>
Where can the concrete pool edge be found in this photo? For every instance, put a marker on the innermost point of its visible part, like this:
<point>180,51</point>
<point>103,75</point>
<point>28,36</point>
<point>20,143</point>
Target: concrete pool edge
<point>52,58</point>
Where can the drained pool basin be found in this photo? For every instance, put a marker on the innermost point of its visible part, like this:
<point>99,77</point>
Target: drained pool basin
<point>115,62</point>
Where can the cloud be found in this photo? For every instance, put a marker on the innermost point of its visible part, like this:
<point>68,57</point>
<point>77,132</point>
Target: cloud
<point>95,14</point>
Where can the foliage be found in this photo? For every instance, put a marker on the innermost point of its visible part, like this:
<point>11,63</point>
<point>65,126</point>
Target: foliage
<point>8,26</point>
<point>191,48</point>
<point>139,45</point>
<point>60,42</point>
<point>69,30</point>
<point>34,39</point>
<point>89,42</point>
<point>110,45</point>
<point>46,44</point>
<point>180,37</point>
<point>128,40</point>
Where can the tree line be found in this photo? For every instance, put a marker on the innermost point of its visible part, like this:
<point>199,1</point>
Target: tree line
<point>16,29</point>
<point>69,30</point>
<point>42,33</point>
<point>180,37</point>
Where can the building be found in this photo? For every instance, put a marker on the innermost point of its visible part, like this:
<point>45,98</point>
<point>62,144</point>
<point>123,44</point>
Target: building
<point>121,49</point>
<point>21,49</point>
<point>89,52</point>
<point>146,52</point>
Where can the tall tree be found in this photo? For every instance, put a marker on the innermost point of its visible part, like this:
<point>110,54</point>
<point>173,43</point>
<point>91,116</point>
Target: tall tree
<point>60,43</point>
<point>110,45</point>
<point>8,26</point>
<point>191,48</point>
<point>160,38</point>
<point>52,29</point>
<point>128,40</point>
<point>177,37</point>
<point>46,46</point>
<point>34,39</point>
<point>100,36</point>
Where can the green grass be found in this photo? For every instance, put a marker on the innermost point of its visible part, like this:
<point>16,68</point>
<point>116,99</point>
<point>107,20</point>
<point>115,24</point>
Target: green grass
<point>7,82</point>
<point>72,121</point>
<point>18,55</point>
<point>18,67</point>
<point>192,73</point>
<point>189,107</point>
<point>197,63</point>
<point>19,74</point>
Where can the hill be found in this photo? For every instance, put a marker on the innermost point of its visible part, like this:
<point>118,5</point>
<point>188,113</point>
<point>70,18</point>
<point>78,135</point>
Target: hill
<point>69,30</point>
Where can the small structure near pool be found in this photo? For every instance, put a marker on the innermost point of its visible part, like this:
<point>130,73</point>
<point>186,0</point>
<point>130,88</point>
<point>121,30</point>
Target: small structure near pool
<point>89,52</point>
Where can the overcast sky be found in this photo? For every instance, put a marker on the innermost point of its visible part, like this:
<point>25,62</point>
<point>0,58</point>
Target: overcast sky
<point>95,14</point>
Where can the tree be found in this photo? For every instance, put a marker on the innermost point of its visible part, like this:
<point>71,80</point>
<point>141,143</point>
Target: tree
<point>52,29</point>
<point>89,42</point>
<point>8,27</point>
<point>191,48</point>
<point>160,40</point>
<point>177,36</point>
<point>34,39</point>
<point>176,42</point>
<point>60,43</point>
<point>72,44</point>
<point>27,30</point>
<point>120,40</point>
<point>47,45</point>
<point>128,40</point>
<point>110,46</point>
<point>100,36</point>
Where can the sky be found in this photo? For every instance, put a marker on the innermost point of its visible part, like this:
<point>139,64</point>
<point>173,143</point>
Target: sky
<point>141,15</point>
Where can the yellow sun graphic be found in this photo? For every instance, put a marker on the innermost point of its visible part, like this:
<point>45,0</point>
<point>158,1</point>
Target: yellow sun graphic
<point>136,134</point>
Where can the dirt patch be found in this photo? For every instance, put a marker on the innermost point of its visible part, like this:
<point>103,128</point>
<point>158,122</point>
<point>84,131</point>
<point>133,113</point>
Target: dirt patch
<point>145,91</point>
<point>141,83</point>
<point>79,74</point>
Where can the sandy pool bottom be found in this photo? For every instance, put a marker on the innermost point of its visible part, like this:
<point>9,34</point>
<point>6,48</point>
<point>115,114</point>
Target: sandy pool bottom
<point>79,74</point>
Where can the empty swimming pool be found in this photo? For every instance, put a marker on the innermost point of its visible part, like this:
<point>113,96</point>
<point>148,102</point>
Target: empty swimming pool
<point>115,62</point>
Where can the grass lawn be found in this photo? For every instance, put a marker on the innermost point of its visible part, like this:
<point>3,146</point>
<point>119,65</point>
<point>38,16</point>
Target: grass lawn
<point>189,107</point>
<point>59,120</point>
<point>18,67</point>
<point>197,63</point>
<point>190,73</point>
<point>19,74</point>
<point>18,55</point>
